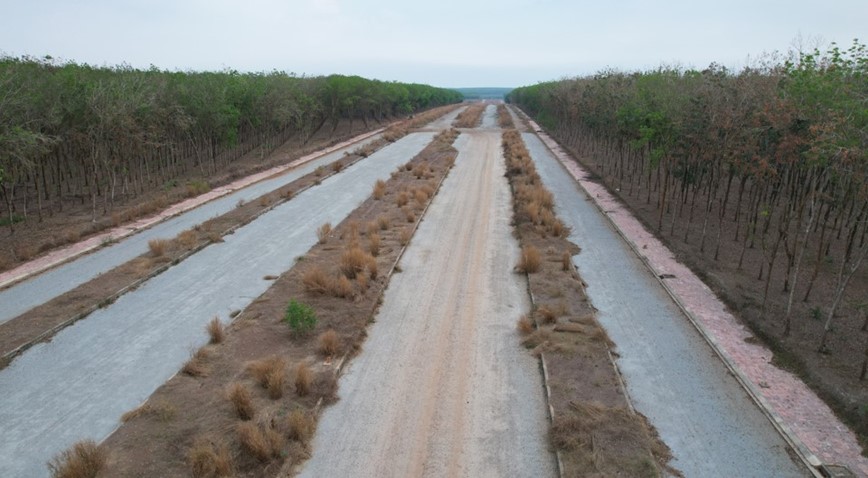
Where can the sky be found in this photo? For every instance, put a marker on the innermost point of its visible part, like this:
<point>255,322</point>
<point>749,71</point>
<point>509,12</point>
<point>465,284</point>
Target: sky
<point>447,43</point>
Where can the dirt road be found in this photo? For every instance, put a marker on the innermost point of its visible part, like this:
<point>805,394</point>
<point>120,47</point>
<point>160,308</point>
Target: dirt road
<point>701,412</point>
<point>78,385</point>
<point>443,387</point>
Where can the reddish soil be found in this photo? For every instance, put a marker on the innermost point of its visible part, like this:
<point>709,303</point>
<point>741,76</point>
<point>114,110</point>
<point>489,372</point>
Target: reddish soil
<point>193,412</point>
<point>594,428</point>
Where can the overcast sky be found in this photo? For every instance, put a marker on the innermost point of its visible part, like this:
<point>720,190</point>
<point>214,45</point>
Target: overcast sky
<point>447,43</point>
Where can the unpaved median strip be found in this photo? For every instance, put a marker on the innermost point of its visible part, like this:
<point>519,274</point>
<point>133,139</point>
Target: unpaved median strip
<point>191,416</point>
<point>594,428</point>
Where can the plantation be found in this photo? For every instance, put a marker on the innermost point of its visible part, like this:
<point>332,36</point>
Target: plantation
<point>757,178</point>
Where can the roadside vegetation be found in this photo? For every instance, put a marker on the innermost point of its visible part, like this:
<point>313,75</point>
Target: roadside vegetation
<point>470,117</point>
<point>757,179</point>
<point>111,143</point>
<point>254,411</point>
<point>594,429</point>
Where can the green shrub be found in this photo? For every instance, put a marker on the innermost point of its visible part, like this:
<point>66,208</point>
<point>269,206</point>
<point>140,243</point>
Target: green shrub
<point>300,317</point>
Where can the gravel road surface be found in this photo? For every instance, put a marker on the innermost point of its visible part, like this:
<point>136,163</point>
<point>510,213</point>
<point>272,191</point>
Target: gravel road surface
<point>78,385</point>
<point>442,387</point>
<point>672,375</point>
<point>24,296</point>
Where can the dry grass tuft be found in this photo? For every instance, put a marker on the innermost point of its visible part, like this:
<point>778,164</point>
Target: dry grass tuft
<point>372,228</point>
<point>209,460</point>
<point>261,442</point>
<point>242,401</point>
<point>406,235</point>
<point>354,261</point>
<point>300,426</point>
<point>316,281</point>
<point>530,260</point>
<point>303,379</point>
<point>566,261</point>
<point>342,287</point>
<point>187,239</point>
<point>85,459</point>
<point>216,331</point>
<point>329,343</point>
<point>379,189</point>
<point>383,222</point>
<point>195,367</point>
<point>161,409</point>
<point>337,166</point>
<point>546,314</point>
<point>158,247</point>
<point>525,325</point>
<point>270,373</point>
<point>402,199</point>
<point>322,232</point>
<point>374,244</point>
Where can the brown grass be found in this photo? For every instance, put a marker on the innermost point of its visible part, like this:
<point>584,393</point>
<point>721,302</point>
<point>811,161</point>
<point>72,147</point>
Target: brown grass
<point>84,459</point>
<point>161,409</point>
<point>242,401</point>
<point>322,233</point>
<point>337,166</point>
<point>547,315</point>
<point>372,228</point>
<point>329,343</point>
<point>303,379</point>
<point>342,287</point>
<point>187,239</point>
<point>374,244</point>
<point>216,331</point>
<point>566,261</point>
<point>158,247</point>
<point>402,199</point>
<point>270,373</point>
<point>410,215</point>
<point>209,460</point>
<point>299,426</point>
<point>530,260</point>
<point>406,235</point>
<point>196,367</point>
<point>316,281</point>
<point>470,117</point>
<point>354,261</point>
<point>525,325</point>
<point>383,222</point>
<point>379,189</point>
<point>261,442</point>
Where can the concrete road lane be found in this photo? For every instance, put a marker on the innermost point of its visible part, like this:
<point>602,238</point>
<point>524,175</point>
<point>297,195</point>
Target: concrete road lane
<point>672,375</point>
<point>78,385</point>
<point>24,296</point>
<point>443,386</point>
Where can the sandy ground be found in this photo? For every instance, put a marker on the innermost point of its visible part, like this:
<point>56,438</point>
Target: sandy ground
<point>442,387</point>
<point>700,411</point>
<point>25,295</point>
<point>79,384</point>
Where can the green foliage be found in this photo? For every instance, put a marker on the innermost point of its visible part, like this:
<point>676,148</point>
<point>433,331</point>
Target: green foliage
<point>300,317</point>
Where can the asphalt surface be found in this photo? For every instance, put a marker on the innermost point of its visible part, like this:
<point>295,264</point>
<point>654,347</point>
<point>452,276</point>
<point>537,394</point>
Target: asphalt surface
<point>672,375</point>
<point>443,387</point>
<point>79,384</point>
<point>489,118</point>
<point>23,296</point>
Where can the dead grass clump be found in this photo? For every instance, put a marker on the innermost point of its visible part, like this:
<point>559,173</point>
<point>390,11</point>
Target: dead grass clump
<point>530,260</point>
<point>322,233</point>
<point>379,189</point>
<point>209,460</point>
<point>362,281</point>
<point>410,214</point>
<point>525,325</point>
<point>539,337</point>
<point>566,261</point>
<point>242,401</point>
<point>547,315</point>
<point>402,199</point>
<point>316,281</point>
<point>372,228</point>
<point>161,409</point>
<point>261,442</point>
<point>300,426</point>
<point>337,166</point>
<point>195,367</point>
<point>303,379</point>
<point>85,459</point>
<point>354,261</point>
<point>158,247</point>
<point>405,236</point>
<point>216,331</point>
<point>374,244</point>
<point>342,287</point>
<point>421,197</point>
<point>329,343</point>
<point>383,222</point>
<point>187,239</point>
<point>270,373</point>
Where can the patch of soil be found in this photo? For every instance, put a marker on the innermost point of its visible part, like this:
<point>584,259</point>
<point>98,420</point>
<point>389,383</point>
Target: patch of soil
<point>42,322</point>
<point>189,425</point>
<point>594,428</point>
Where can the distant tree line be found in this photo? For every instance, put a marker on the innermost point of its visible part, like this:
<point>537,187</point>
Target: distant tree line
<point>71,132</point>
<point>774,158</point>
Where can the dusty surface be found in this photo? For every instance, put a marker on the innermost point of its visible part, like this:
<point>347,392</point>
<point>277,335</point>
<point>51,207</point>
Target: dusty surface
<point>155,444</point>
<point>78,385</point>
<point>23,296</point>
<point>672,375</point>
<point>801,410</point>
<point>442,387</point>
